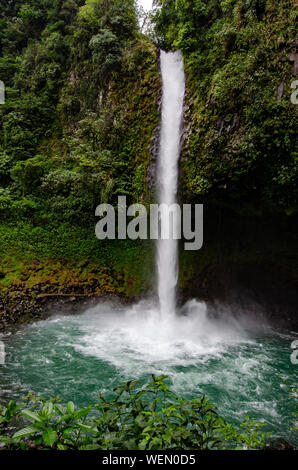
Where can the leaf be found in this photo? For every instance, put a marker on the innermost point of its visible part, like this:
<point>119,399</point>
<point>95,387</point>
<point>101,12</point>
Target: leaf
<point>12,405</point>
<point>28,431</point>
<point>140,393</point>
<point>62,447</point>
<point>31,415</point>
<point>49,436</point>
<point>153,405</point>
<point>84,412</point>
<point>11,410</point>
<point>143,444</point>
<point>48,408</point>
<point>67,433</point>
<point>70,407</point>
<point>132,384</point>
<point>141,421</point>
<point>23,446</point>
<point>61,409</point>
<point>161,378</point>
<point>87,428</point>
<point>90,447</point>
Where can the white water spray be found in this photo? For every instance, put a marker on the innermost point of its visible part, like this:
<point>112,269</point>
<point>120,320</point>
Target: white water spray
<point>173,90</point>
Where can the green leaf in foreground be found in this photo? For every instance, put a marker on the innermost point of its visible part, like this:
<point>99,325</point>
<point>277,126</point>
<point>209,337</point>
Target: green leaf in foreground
<point>31,415</point>
<point>151,417</point>
<point>49,436</point>
<point>25,432</point>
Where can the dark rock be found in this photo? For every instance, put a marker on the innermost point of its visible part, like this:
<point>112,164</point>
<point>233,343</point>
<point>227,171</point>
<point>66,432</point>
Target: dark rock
<point>279,444</point>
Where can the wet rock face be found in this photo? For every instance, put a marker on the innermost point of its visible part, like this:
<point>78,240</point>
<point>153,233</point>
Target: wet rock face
<point>40,302</point>
<point>244,289</point>
<point>247,264</point>
<point>18,308</point>
<point>280,91</point>
<point>151,174</point>
<point>280,444</point>
<point>224,125</point>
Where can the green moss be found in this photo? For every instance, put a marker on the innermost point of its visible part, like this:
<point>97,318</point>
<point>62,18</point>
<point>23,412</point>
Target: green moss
<point>72,258</point>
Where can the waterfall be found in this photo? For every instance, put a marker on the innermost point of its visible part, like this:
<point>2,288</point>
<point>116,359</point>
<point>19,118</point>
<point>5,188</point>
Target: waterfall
<point>173,89</point>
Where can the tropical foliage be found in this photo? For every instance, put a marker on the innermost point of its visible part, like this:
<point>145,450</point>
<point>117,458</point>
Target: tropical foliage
<point>241,147</point>
<point>148,418</point>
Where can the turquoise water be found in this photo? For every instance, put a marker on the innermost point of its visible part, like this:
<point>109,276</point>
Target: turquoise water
<point>240,364</point>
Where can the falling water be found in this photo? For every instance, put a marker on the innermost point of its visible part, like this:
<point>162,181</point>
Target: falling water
<point>230,359</point>
<point>173,89</point>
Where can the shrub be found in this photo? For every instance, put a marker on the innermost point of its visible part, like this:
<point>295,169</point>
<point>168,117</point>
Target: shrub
<point>147,418</point>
